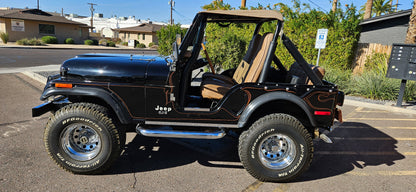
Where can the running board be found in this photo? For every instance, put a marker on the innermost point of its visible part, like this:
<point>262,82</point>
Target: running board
<point>181,133</point>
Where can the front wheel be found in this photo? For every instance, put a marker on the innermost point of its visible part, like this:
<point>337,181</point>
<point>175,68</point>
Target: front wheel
<point>82,138</point>
<point>276,148</point>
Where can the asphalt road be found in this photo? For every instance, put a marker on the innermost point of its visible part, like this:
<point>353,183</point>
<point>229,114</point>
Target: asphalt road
<point>373,150</point>
<point>19,57</point>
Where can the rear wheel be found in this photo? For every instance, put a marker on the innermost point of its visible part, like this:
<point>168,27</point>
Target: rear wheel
<point>83,139</point>
<point>276,148</point>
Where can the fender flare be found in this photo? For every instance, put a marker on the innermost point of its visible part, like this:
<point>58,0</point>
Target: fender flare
<point>274,96</point>
<point>103,94</point>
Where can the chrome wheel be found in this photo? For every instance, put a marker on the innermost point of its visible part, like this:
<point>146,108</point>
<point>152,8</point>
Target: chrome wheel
<point>80,142</point>
<point>277,151</point>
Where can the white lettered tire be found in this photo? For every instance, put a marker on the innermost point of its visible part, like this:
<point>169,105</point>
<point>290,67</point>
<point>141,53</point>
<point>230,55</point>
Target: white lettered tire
<point>276,148</point>
<point>82,138</point>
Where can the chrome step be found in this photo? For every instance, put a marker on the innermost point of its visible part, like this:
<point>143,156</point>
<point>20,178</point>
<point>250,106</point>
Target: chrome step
<point>206,134</point>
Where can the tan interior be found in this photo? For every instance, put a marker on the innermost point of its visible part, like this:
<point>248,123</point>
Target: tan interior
<point>242,68</point>
<point>215,87</point>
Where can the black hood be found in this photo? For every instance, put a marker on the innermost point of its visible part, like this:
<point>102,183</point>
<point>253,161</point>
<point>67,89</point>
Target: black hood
<point>117,68</point>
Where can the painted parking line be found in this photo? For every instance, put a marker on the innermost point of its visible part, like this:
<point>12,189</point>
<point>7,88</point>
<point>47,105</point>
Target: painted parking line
<point>366,153</point>
<point>382,173</point>
<point>375,138</point>
<point>377,127</point>
<point>253,187</point>
<point>378,119</point>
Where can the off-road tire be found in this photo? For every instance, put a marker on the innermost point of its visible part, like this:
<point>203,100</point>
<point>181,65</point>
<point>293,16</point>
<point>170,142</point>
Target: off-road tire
<point>82,138</point>
<point>270,142</point>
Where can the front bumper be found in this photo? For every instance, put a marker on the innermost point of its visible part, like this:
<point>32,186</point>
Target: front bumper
<point>48,106</point>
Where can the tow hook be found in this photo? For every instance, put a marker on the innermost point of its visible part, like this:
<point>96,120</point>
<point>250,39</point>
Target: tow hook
<point>322,136</point>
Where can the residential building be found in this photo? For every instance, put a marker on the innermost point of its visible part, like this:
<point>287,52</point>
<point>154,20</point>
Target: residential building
<point>385,29</point>
<point>144,33</point>
<point>107,26</point>
<point>30,23</point>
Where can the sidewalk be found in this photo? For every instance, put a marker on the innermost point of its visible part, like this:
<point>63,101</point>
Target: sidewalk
<point>70,46</point>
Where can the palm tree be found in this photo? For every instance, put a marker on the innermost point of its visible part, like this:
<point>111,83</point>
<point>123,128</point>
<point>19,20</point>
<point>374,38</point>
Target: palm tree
<point>368,7</point>
<point>411,30</point>
<point>379,7</point>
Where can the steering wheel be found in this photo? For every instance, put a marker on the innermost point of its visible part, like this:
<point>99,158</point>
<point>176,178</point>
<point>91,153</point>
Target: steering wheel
<point>209,60</point>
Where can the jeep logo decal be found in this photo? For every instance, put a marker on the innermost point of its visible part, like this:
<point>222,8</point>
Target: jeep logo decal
<point>163,110</point>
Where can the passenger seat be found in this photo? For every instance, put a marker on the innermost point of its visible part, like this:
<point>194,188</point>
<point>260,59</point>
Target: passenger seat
<point>215,87</point>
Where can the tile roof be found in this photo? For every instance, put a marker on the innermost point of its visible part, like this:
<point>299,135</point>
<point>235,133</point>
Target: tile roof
<point>144,27</point>
<point>36,15</point>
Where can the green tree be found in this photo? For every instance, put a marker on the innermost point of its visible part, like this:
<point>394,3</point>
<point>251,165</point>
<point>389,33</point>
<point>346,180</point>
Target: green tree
<point>217,4</point>
<point>379,7</point>
<point>166,36</point>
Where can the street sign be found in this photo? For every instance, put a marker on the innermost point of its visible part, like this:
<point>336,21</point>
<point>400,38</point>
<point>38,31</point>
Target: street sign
<point>320,42</point>
<point>321,38</point>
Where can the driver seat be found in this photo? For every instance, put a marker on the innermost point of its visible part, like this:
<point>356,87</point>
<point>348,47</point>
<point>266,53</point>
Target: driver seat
<point>247,72</point>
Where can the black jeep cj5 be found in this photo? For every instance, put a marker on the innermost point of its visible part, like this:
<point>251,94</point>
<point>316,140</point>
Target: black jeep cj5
<point>97,98</point>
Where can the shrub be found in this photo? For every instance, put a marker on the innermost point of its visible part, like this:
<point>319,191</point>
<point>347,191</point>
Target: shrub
<point>26,41</point>
<point>90,42</point>
<point>338,76</point>
<point>140,45</point>
<point>125,43</point>
<point>151,44</point>
<point>49,40</point>
<point>374,85</point>
<point>4,37</point>
<point>226,46</point>
<point>103,42</point>
<point>166,36</point>
<point>111,44</point>
<point>69,41</point>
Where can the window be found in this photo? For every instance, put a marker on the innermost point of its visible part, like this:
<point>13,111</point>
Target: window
<point>144,36</point>
<point>46,29</point>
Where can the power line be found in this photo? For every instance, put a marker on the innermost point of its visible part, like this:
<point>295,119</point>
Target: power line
<point>319,7</point>
<point>183,16</point>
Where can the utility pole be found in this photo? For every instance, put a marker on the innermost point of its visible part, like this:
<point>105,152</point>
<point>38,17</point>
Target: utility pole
<point>38,4</point>
<point>172,4</point>
<point>92,15</point>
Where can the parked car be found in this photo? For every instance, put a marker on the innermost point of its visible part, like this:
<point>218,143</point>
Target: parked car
<point>277,112</point>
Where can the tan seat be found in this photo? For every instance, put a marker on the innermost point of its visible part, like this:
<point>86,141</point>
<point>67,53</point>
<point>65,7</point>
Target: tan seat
<point>248,57</point>
<point>246,72</point>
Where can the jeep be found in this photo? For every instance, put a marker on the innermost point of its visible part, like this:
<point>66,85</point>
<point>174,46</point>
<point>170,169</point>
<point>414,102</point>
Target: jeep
<point>277,112</point>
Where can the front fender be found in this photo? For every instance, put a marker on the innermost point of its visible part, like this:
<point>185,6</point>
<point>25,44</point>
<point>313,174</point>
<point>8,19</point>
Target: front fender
<point>275,96</point>
<point>100,93</point>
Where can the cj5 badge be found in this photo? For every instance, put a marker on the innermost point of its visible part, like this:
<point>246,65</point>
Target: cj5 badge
<point>163,110</point>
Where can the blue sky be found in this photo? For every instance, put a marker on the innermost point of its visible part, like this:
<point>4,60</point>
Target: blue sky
<point>159,10</point>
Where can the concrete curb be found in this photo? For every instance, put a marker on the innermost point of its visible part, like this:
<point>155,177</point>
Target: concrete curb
<point>35,76</point>
<point>378,106</point>
<point>77,48</point>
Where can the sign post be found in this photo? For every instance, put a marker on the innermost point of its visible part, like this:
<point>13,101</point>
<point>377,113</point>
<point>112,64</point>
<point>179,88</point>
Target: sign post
<point>402,65</point>
<point>320,42</point>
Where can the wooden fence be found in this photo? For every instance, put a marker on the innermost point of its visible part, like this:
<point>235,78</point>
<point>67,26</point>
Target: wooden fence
<point>367,49</point>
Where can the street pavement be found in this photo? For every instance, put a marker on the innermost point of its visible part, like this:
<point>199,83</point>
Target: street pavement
<point>373,150</point>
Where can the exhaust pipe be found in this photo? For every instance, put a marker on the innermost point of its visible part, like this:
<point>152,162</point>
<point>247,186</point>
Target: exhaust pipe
<point>181,133</point>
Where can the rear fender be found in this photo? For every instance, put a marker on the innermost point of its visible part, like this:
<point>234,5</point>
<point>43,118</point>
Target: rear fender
<point>275,96</point>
